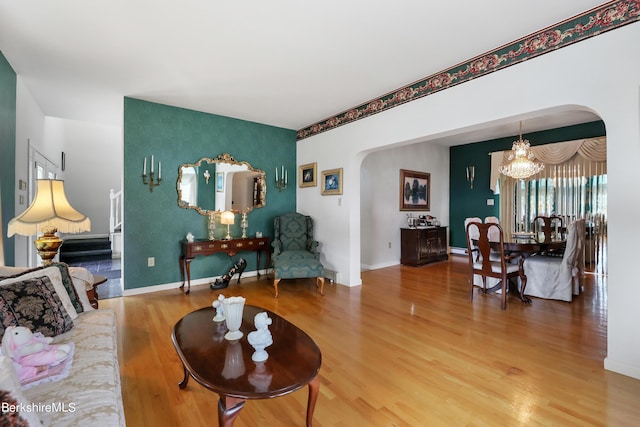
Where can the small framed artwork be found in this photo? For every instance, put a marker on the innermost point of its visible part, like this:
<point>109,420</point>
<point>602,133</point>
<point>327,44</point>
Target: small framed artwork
<point>415,189</point>
<point>307,175</point>
<point>332,182</point>
<point>220,182</point>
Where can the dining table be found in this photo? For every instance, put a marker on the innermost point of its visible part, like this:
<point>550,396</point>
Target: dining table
<point>527,244</point>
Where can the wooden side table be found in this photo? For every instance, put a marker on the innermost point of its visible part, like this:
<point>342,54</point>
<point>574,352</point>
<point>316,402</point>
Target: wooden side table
<point>92,293</point>
<point>190,250</point>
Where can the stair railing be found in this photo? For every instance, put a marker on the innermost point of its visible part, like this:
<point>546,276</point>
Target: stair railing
<point>115,210</point>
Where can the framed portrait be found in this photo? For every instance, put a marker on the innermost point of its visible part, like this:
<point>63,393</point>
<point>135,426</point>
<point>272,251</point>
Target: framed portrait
<point>332,182</point>
<point>307,175</point>
<point>220,182</point>
<point>415,190</point>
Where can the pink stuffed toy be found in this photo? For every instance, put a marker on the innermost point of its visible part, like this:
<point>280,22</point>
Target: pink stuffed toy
<point>31,353</point>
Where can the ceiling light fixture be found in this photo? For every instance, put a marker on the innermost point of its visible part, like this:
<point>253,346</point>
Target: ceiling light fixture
<point>521,160</point>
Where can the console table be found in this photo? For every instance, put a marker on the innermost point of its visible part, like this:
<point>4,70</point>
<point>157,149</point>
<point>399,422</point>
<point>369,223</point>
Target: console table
<point>204,247</point>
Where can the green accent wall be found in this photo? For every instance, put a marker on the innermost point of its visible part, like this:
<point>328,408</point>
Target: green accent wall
<point>154,225</point>
<point>8,150</point>
<point>465,202</point>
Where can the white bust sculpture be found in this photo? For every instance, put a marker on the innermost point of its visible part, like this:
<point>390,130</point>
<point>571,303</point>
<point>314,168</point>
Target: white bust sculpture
<point>260,338</point>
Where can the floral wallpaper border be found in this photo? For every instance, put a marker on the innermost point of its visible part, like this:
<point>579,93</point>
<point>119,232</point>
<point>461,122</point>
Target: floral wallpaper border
<point>606,17</point>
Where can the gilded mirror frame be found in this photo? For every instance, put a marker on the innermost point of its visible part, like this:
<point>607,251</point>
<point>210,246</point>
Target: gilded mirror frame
<point>261,184</point>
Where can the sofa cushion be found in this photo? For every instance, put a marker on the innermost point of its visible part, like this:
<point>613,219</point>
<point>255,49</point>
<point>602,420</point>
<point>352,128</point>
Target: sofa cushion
<point>33,303</point>
<point>60,276</point>
<point>93,384</point>
<point>82,280</point>
<point>17,410</point>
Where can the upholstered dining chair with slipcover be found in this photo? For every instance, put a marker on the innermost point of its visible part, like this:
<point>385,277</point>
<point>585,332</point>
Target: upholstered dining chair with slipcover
<point>483,266</point>
<point>473,231</point>
<point>295,252</point>
<point>560,278</point>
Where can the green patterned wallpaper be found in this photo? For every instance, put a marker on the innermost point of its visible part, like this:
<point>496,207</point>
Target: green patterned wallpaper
<point>8,150</point>
<point>466,202</point>
<point>154,224</point>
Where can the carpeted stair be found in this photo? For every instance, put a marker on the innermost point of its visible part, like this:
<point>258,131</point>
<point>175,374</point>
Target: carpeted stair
<point>93,249</point>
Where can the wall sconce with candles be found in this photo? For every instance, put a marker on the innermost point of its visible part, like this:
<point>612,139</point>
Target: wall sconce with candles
<point>471,174</point>
<point>151,182</point>
<point>281,183</point>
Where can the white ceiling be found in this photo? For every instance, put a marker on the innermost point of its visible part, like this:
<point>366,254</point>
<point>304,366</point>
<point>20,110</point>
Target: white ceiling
<point>287,63</point>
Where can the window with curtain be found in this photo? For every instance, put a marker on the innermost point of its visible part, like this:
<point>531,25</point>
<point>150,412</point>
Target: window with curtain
<point>573,185</point>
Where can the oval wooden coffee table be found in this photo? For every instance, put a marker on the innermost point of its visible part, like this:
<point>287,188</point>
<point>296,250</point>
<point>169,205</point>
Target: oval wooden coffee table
<point>225,367</point>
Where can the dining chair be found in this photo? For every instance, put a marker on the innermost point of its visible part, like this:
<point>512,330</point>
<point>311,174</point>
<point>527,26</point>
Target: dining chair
<point>486,268</point>
<point>475,234</point>
<point>546,226</point>
<point>493,233</point>
<point>559,278</point>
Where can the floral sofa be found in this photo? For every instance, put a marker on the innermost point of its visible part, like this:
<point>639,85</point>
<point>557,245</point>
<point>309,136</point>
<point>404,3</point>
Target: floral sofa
<point>90,393</point>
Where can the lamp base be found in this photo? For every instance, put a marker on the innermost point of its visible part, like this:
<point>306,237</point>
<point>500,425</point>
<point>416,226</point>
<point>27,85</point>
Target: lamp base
<point>48,244</point>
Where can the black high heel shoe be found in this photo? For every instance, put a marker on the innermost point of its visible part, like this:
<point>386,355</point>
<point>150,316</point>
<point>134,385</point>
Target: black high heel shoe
<point>223,282</point>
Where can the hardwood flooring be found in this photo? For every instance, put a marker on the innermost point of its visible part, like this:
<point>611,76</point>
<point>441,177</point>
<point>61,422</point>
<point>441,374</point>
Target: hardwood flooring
<point>407,348</point>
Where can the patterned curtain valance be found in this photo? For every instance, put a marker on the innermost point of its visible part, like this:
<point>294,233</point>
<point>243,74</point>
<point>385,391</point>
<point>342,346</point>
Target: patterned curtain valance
<point>580,150</point>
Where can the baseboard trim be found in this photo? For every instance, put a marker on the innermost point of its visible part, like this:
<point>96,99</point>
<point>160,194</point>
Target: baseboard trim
<point>458,251</point>
<point>367,267</point>
<point>176,285</point>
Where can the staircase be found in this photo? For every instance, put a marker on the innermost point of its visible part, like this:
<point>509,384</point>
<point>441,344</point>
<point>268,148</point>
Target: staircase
<point>89,249</point>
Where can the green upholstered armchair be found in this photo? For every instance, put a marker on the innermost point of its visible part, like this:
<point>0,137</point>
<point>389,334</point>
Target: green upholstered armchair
<point>295,252</point>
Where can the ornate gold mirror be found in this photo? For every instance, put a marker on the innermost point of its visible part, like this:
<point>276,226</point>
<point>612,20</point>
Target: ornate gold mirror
<point>220,184</point>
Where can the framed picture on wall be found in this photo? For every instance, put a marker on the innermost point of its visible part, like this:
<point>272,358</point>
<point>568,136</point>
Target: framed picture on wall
<point>307,175</point>
<point>332,182</point>
<point>415,190</point>
<point>220,182</point>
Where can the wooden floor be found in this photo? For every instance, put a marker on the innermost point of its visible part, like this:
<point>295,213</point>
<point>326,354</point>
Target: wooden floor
<point>407,348</point>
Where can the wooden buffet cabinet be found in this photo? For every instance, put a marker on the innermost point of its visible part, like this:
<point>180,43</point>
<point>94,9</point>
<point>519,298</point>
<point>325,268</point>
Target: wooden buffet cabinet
<point>190,250</point>
<point>423,245</point>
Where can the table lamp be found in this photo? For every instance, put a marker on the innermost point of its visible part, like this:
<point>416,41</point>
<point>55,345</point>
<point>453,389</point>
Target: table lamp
<point>49,212</point>
<point>228,218</point>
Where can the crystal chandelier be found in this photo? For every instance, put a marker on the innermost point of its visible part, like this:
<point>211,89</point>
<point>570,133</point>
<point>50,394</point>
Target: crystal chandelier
<point>521,164</point>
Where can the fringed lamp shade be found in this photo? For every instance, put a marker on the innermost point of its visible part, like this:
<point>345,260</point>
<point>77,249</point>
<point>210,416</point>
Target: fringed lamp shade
<point>49,212</point>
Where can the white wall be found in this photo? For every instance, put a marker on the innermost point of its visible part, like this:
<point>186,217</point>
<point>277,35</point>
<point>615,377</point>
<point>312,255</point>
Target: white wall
<point>381,218</point>
<point>592,74</point>
<point>29,130</point>
<point>94,161</point>
<point>94,165</point>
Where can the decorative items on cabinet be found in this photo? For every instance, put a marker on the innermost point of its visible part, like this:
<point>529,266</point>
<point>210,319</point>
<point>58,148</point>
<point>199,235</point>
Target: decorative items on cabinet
<point>211,224</point>
<point>227,218</point>
<point>244,224</point>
